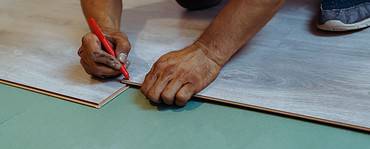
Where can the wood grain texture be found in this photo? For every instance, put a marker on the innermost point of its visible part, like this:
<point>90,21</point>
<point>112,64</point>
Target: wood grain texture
<point>39,41</point>
<point>289,67</point>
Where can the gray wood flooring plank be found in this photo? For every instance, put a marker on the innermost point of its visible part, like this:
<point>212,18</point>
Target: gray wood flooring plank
<point>289,66</point>
<point>38,48</point>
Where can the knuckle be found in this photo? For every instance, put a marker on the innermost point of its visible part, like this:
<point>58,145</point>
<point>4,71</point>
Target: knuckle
<point>93,57</point>
<point>193,79</point>
<point>84,40</point>
<point>159,65</point>
<point>124,47</point>
<point>149,77</point>
<point>162,59</point>
<point>95,54</point>
<point>181,98</point>
<point>88,37</point>
<point>151,95</point>
<point>171,53</point>
<point>167,98</point>
<point>146,79</point>
<point>79,51</point>
<point>127,46</point>
<point>169,70</point>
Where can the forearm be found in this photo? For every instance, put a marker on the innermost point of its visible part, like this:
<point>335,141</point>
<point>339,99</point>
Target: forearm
<point>106,12</point>
<point>236,24</point>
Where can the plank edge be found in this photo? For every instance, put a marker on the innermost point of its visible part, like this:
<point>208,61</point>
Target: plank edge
<point>290,114</point>
<point>53,94</point>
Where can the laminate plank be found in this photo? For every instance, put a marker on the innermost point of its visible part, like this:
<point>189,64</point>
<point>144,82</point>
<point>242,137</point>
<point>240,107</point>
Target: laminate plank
<point>289,67</point>
<point>39,41</point>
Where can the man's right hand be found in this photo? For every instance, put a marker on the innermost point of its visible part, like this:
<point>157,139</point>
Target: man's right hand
<point>99,63</point>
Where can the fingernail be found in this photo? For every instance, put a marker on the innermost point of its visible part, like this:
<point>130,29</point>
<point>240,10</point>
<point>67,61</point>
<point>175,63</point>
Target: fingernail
<point>122,57</point>
<point>116,65</point>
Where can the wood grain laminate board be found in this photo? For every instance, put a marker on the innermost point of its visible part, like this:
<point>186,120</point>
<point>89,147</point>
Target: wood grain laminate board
<point>288,68</point>
<point>38,51</point>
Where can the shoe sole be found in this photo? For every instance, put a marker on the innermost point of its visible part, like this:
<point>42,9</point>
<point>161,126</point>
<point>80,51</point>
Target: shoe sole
<point>336,25</point>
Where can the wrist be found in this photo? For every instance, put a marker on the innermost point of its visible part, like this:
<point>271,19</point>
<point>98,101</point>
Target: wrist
<point>109,30</point>
<point>108,26</point>
<point>212,54</point>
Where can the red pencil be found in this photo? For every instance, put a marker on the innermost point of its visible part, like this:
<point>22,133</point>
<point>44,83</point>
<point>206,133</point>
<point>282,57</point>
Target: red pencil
<point>97,31</point>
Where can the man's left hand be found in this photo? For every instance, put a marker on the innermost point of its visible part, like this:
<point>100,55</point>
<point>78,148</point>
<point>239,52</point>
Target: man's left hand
<point>178,75</point>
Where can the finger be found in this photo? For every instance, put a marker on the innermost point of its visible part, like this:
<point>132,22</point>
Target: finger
<point>122,45</point>
<point>122,57</point>
<point>80,50</point>
<point>155,91</point>
<point>184,94</point>
<point>99,70</point>
<point>169,93</point>
<point>90,47</point>
<point>122,49</point>
<point>105,71</point>
<point>106,59</point>
<point>86,67</point>
<point>149,80</point>
<point>91,42</point>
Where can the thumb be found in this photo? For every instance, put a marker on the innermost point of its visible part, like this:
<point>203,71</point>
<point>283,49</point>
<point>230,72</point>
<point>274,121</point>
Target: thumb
<point>122,50</point>
<point>121,45</point>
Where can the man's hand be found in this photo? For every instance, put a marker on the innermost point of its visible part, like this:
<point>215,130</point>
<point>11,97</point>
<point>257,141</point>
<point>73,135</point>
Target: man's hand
<point>99,63</point>
<point>178,75</point>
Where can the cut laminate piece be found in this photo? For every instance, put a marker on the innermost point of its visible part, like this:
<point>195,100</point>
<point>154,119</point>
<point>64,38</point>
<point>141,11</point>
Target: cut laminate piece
<point>66,97</point>
<point>288,68</point>
<point>38,51</point>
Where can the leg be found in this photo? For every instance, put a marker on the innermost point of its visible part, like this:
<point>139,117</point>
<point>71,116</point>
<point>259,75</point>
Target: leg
<point>198,4</point>
<point>344,15</point>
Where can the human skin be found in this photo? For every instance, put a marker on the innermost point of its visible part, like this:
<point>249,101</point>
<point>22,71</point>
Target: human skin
<point>178,75</point>
<point>94,59</point>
